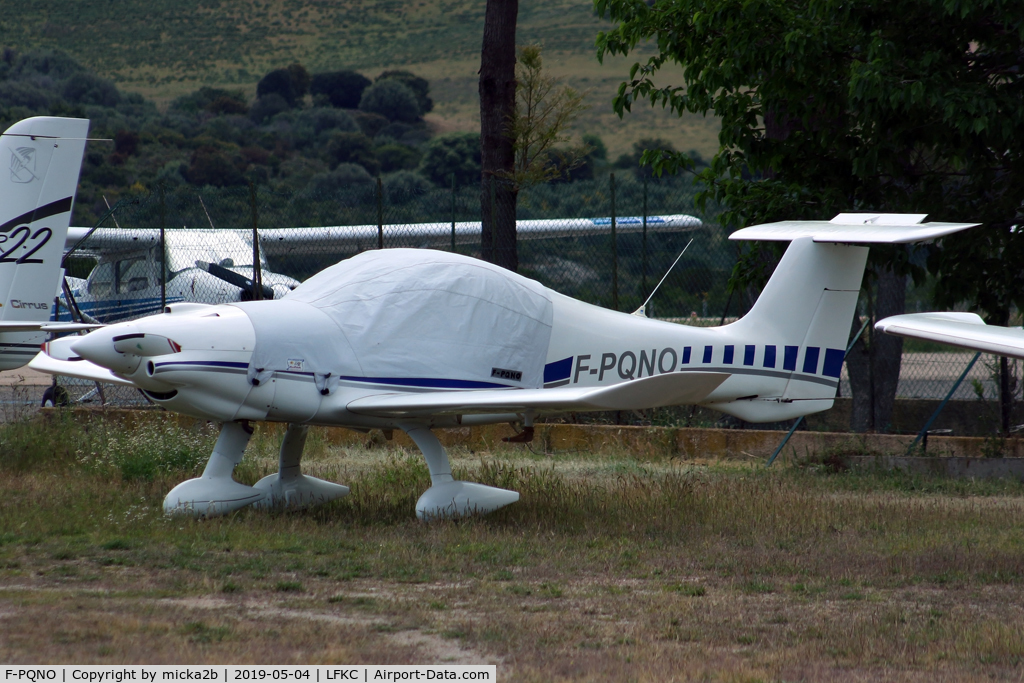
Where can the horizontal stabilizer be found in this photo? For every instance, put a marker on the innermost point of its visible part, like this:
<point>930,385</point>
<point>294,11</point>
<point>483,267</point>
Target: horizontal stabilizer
<point>638,394</point>
<point>82,369</point>
<point>854,228</point>
<point>966,330</point>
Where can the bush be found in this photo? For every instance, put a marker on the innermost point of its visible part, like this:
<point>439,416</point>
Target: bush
<point>277,82</point>
<point>405,186</point>
<point>391,99</point>
<point>419,86</point>
<point>344,177</point>
<point>267,107</point>
<point>309,125</point>
<point>352,148</point>
<point>396,157</point>
<point>214,100</point>
<point>341,88</point>
<point>53,63</point>
<point>457,154</point>
<point>85,88</point>
<point>210,166</point>
<point>370,124</point>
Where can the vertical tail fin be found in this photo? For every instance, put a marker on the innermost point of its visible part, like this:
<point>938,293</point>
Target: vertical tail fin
<point>805,310</point>
<point>43,157</point>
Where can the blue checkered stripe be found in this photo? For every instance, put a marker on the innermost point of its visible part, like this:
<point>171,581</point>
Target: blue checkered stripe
<point>810,361</point>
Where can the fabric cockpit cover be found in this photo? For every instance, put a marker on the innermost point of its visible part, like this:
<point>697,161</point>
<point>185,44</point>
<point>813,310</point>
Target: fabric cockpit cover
<point>416,317</point>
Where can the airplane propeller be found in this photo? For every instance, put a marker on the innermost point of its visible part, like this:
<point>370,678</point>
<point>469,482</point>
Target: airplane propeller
<point>233,278</point>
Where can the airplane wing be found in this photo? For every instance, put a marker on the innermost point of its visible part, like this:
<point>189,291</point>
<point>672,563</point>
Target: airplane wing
<point>28,326</point>
<point>965,330</point>
<point>80,368</point>
<point>649,392</point>
<point>284,241</point>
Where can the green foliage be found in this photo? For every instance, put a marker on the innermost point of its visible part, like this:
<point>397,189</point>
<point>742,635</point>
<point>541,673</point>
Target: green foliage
<point>906,106</point>
<point>544,111</point>
<point>419,86</point>
<point>352,148</point>
<point>396,157</point>
<point>340,88</point>
<point>391,99</point>
<point>457,154</point>
<point>279,82</point>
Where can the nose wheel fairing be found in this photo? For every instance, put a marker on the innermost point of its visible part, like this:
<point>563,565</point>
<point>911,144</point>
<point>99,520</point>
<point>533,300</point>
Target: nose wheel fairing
<point>216,493</point>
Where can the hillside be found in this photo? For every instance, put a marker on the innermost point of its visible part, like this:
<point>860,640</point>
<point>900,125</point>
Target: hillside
<point>164,49</point>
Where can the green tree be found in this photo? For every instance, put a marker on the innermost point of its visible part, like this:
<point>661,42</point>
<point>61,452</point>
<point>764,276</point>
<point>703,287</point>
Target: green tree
<point>543,113</point>
<point>419,86</point>
<point>392,99</point>
<point>342,89</point>
<point>908,106</point>
<point>457,154</point>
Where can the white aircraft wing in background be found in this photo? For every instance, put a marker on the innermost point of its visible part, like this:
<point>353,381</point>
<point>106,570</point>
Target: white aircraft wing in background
<point>282,241</point>
<point>966,330</point>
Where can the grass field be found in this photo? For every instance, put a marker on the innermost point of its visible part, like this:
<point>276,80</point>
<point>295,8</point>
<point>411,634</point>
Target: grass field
<point>608,568</point>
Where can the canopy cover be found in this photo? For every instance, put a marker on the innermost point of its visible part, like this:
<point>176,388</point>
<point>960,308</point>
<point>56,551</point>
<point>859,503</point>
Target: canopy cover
<point>418,317</point>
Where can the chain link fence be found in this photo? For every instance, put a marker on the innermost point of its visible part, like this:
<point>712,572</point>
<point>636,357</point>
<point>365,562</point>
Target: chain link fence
<point>606,241</point>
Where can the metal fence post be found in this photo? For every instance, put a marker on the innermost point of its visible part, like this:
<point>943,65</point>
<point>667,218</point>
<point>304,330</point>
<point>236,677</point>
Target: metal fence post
<point>163,248</point>
<point>257,269</point>
<point>380,214</point>
<point>453,213</point>
<point>615,248</point>
<point>643,264</point>
<point>494,218</point>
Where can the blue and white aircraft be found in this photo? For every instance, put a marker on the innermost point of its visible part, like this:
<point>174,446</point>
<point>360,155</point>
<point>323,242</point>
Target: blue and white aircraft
<point>419,340</point>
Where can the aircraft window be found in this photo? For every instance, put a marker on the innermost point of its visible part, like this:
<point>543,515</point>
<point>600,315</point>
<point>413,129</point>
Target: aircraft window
<point>101,282</point>
<point>133,275</point>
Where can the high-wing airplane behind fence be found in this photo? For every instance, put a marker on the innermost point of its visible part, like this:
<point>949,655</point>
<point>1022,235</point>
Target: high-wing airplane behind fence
<point>216,266</point>
<point>422,339</point>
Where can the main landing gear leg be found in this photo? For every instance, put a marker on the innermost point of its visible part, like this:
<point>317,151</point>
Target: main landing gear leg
<point>216,493</point>
<point>290,488</point>
<point>447,497</point>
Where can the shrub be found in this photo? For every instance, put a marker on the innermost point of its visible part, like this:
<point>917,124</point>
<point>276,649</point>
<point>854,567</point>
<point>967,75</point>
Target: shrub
<point>210,166</point>
<point>457,154</point>
<point>405,186</point>
<point>352,148</point>
<point>277,82</point>
<point>341,88</point>
<point>267,107</point>
<point>419,86</point>
<point>391,99</point>
<point>85,88</point>
<point>396,157</point>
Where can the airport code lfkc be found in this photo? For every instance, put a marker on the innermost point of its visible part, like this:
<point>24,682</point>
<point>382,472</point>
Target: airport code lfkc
<point>228,674</point>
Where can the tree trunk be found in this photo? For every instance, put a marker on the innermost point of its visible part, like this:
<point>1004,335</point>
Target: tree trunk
<point>497,154</point>
<point>874,361</point>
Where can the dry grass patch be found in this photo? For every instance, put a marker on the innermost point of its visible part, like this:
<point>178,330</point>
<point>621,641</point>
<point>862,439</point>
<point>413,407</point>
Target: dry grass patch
<point>608,568</point>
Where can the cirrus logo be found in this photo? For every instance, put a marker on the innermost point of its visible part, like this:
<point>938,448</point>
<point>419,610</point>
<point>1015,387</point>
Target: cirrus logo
<point>23,165</point>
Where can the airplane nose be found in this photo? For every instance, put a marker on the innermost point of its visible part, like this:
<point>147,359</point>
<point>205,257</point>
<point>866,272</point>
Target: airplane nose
<point>99,347</point>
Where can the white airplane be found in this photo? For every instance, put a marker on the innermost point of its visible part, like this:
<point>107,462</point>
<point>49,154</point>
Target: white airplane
<point>420,339</point>
<point>966,330</point>
<point>216,266</point>
<point>44,157</point>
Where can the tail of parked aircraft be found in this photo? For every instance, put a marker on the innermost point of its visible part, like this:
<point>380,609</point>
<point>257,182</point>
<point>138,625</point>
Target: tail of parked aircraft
<point>804,313</point>
<point>44,158</point>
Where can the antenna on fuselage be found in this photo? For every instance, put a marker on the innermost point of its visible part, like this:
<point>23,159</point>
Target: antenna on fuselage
<point>111,215</point>
<point>206,212</point>
<point>642,311</point>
